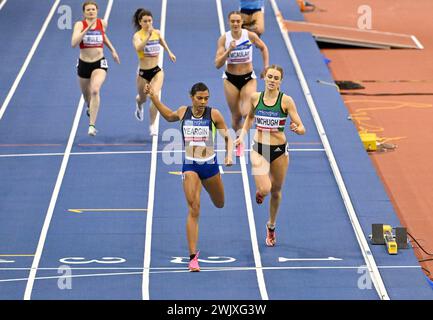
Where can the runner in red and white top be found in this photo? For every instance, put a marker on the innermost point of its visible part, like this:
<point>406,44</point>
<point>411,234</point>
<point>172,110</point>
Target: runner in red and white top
<point>94,38</point>
<point>92,66</point>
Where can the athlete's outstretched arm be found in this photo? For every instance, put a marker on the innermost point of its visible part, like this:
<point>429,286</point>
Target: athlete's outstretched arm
<point>166,112</point>
<point>220,124</point>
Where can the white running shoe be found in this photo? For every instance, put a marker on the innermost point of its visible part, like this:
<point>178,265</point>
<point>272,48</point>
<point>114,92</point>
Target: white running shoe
<point>92,131</point>
<point>152,130</point>
<point>139,112</point>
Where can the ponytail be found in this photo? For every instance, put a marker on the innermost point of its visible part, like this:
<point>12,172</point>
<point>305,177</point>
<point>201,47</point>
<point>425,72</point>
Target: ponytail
<point>139,13</point>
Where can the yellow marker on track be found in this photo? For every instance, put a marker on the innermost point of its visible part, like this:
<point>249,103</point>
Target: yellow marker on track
<point>177,173</point>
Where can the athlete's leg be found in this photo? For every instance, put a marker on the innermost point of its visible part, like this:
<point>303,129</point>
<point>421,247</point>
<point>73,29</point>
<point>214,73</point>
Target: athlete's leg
<point>260,171</point>
<point>96,80</point>
<point>259,23</point>
<point>85,88</point>
<point>233,99</point>
<point>192,190</point>
<point>214,186</point>
<point>278,170</point>
<point>141,96</point>
<point>156,83</point>
<point>247,90</point>
<point>246,18</point>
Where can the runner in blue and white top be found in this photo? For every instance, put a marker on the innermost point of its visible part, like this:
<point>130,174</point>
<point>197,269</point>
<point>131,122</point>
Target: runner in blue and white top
<point>198,134</point>
<point>199,124</point>
<point>235,52</point>
<point>243,52</point>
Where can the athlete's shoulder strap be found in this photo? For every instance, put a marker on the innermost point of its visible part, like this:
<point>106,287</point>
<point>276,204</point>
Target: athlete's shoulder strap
<point>260,99</point>
<point>188,113</point>
<point>280,100</point>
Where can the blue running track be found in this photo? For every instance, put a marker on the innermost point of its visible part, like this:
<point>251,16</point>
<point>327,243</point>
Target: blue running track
<point>104,217</point>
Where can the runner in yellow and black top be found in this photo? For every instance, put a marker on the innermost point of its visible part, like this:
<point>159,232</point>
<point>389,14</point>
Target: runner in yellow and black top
<point>269,155</point>
<point>147,41</point>
<point>199,124</point>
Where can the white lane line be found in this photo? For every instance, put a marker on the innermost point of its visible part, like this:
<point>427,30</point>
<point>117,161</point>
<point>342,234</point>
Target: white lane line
<point>362,241</point>
<point>54,196</point>
<point>184,270</point>
<point>220,17</point>
<point>214,268</point>
<point>282,259</point>
<point>6,261</point>
<point>56,191</point>
<point>21,155</point>
<point>253,232</point>
<point>152,179</point>
<point>17,155</point>
<point>28,59</point>
<point>252,225</point>
<point>2,4</point>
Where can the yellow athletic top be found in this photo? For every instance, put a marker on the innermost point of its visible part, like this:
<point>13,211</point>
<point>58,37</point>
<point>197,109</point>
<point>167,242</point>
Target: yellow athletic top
<point>152,47</point>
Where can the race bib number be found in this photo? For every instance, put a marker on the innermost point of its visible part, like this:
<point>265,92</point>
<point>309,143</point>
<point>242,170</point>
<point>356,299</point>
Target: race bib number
<point>267,123</point>
<point>93,38</point>
<point>104,63</point>
<point>152,48</point>
<point>196,133</point>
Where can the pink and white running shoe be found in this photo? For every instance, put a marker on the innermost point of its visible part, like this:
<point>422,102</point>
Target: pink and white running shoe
<point>193,264</point>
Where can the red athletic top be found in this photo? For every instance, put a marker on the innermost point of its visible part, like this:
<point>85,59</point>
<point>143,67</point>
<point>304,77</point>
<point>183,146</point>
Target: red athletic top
<point>94,38</point>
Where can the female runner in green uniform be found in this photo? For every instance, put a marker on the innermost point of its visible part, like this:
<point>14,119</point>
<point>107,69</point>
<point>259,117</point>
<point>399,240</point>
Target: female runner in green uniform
<point>269,155</point>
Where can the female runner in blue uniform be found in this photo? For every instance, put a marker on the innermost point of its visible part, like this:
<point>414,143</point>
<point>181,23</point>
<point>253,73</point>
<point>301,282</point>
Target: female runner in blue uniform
<point>200,167</point>
<point>269,154</point>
